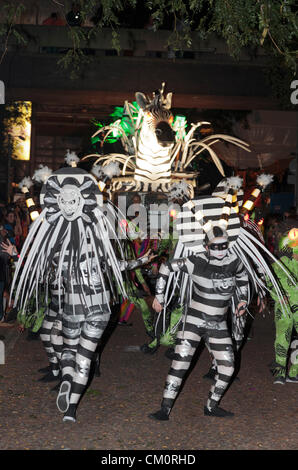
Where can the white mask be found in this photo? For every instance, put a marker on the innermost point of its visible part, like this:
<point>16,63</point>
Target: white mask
<point>70,202</point>
<point>218,247</point>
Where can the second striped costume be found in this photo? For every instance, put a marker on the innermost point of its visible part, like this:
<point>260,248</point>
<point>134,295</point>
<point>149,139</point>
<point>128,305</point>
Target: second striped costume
<point>215,282</point>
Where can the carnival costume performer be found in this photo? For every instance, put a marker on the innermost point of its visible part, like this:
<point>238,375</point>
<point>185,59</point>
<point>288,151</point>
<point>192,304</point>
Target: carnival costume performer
<point>69,251</point>
<point>136,286</point>
<point>174,312</point>
<point>238,326</point>
<point>219,257</point>
<point>215,276</point>
<point>284,324</point>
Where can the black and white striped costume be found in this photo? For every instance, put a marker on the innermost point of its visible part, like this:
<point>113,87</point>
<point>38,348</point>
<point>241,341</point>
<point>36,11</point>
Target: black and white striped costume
<point>69,252</point>
<point>216,260</point>
<point>77,316</point>
<point>215,282</point>
<point>86,313</point>
<point>51,330</point>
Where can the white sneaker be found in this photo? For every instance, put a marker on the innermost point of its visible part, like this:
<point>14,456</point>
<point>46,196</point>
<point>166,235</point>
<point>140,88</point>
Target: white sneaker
<point>63,397</point>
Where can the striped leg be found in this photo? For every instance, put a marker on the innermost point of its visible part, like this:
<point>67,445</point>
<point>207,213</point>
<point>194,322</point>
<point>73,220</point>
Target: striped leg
<point>46,328</point>
<point>91,332</point>
<point>221,347</point>
<point>45,336</point>
<point>186,345</point>
<point>238,328</point>
<point>71,335</point>
<point>57,341</point>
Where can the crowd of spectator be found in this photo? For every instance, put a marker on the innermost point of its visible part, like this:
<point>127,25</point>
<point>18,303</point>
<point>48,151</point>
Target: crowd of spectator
<point>14,226</point>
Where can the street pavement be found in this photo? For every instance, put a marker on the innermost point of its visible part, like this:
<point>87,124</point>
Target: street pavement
<point>113,413</point>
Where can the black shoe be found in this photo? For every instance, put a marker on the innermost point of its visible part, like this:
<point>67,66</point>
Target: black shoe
<point>56,387</point>
<point>170,353</point>
<point>279,379</point>
<point>147,350</point>
<point>292,379</point>
<point>235,378</point>
<point>49,377</point>
<point>210,374</point>
<point>70,414</point>
<point>44,370</point>
<point>124,323</point>
<point>32,336</point>
<point>161,415</point>
<point>11,315</point>
<point>218,412</point>
<point>150,334</point>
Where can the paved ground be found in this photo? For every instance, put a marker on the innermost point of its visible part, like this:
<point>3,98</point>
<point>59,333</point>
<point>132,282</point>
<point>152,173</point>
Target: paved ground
<point>113,412</point>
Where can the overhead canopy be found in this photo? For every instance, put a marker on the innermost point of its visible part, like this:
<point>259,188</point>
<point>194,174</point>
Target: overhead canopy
<point>272,136</point>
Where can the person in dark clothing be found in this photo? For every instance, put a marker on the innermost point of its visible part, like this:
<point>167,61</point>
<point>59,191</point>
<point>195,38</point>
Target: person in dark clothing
<point>4,260</point>
<point>54,20</point>
<point>74,17</point>
<point>5,257</point>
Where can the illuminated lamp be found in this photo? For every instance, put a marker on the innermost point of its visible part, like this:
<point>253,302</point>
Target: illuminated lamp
<point>30,204</point>
<point>173,213</point>
<point>261,221</point>
<point>20,131</point>
<point>248,205</point>
<point>246,217</point>
<point>293,234</point>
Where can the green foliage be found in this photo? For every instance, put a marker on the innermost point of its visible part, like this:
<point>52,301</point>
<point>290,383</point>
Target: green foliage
<point>251,24</point>
<point>32,318</point>
<point>11,113</point>
<point>122,122</point>
<point>279,78</point>
<point>8,29</point>
<point>241,23</point>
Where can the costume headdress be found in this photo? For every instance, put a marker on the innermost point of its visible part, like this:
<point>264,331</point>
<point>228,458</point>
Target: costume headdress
<point>73,224</point>
<point>197,221</point>
<point>262,182</point>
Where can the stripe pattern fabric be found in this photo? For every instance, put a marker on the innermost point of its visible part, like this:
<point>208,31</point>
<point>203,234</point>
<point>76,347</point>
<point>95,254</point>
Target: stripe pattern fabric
<point>215,282</point>
<point>190,232</point>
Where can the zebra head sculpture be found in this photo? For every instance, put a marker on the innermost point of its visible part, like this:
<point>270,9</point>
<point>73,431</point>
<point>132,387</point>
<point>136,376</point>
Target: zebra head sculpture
<point>156,138</point>
<point>158,118</point>
<point>158,150</point>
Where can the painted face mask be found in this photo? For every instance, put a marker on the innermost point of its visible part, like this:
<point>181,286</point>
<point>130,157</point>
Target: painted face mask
<point>90,274</point>
<point>218,248</point>
<point>70,202</point>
